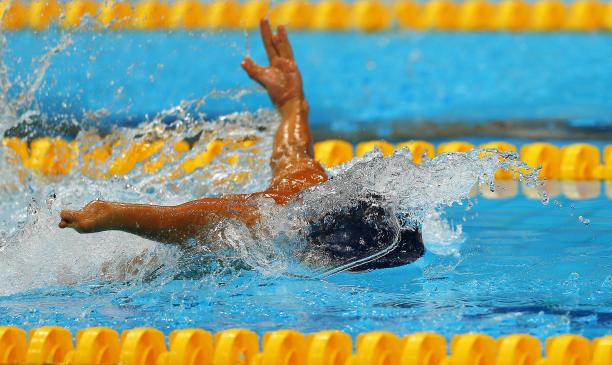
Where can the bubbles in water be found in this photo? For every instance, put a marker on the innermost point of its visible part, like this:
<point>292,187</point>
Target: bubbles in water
<point>442,237</point>
<point>584,220</point>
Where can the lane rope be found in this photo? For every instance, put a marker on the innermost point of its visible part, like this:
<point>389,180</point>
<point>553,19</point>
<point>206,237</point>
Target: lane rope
<point>148,346</point>
<point>326,15</point>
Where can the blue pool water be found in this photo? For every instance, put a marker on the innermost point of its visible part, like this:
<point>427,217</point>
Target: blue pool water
<point>522,267</point>
<point>496,266</point>
<point>351,79</point>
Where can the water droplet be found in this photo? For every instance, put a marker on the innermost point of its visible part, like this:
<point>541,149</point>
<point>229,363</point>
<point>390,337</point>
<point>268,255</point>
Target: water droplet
<point>469,206</point>
<point>584,220</point>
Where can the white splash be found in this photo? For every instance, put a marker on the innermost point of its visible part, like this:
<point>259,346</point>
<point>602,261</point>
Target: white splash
<point>36,253</point>
<point>20,107</point>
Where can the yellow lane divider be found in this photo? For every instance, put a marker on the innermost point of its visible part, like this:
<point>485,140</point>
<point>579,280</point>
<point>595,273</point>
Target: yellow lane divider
<point>147,346</point>
<point>385,147</point>
<point>579,161</point>
<point>334,15</point>
<point>55,156</point>
<point>502,174</point>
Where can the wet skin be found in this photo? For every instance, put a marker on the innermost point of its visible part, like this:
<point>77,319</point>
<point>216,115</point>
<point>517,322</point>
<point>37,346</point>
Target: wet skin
<point>292,163</point>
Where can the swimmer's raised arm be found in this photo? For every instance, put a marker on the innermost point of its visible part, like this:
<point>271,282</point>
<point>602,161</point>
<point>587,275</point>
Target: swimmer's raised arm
<point>283,82</point>
<point>292,162</point>
<point>167,224</point>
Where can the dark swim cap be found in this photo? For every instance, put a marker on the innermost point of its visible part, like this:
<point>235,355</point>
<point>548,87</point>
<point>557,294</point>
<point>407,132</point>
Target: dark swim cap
<point>360,231</point>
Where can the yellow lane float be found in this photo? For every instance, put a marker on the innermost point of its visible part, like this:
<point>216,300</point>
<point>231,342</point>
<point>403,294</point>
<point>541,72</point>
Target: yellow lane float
<point>423,348</point>
<point>51,156</point>
<point>296,14</point>
<point>607,21</point>
<point>585,15</point>
<point>440,15</point>
<point>14,14</point>
<point>150,15</point>
<point>141,346</point>
<point>223,14</point>
<point>548,15</point>
<point>512,15</point>
<point>186,14</point>
<point>56,156</point>
<point>408,14</point>
<point>418,149</point>
<point>324,15</point>
<point>333,152</point>
<point>561,348</point>
<point>116,14</point>
<point>76,11</point>
<point>370,15</point>
<point>329,348</point>
<point>137,153</point>
<point>500,146</point>
<point>330,15</point>
<point>376,348</point>
<point>476,15</point>
<point>252,12</point>
<point>42,13</point>
<point>192,346</point>
<point>518,349</point>
<point>579,161</point>
<point>473,348</point>
<point>204,158</point>
<point>235,346</point>
<point>602,351</point>
<point>98,345</point>
<point>455,146</point>
<point>49,345</point>
<point>544,155</point>
<point>363,147</point>
<point>13,345</point>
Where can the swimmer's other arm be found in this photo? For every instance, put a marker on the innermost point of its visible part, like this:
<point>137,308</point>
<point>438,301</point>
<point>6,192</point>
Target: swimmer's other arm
<point>166,224</point>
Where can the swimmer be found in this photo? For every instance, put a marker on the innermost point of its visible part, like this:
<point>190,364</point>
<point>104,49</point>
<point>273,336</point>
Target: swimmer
<point>293,170</point>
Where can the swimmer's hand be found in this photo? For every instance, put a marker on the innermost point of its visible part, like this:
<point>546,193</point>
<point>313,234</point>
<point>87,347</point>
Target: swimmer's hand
<point>282,78</point>
<point>94,217</point>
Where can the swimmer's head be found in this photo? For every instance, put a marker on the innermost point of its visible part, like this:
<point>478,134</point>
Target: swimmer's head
<point>362,230</point>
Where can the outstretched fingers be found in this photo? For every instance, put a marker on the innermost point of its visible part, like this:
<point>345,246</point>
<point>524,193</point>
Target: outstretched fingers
<point>252,69</point>
<point>267,38</point>
<point>282,43</point>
